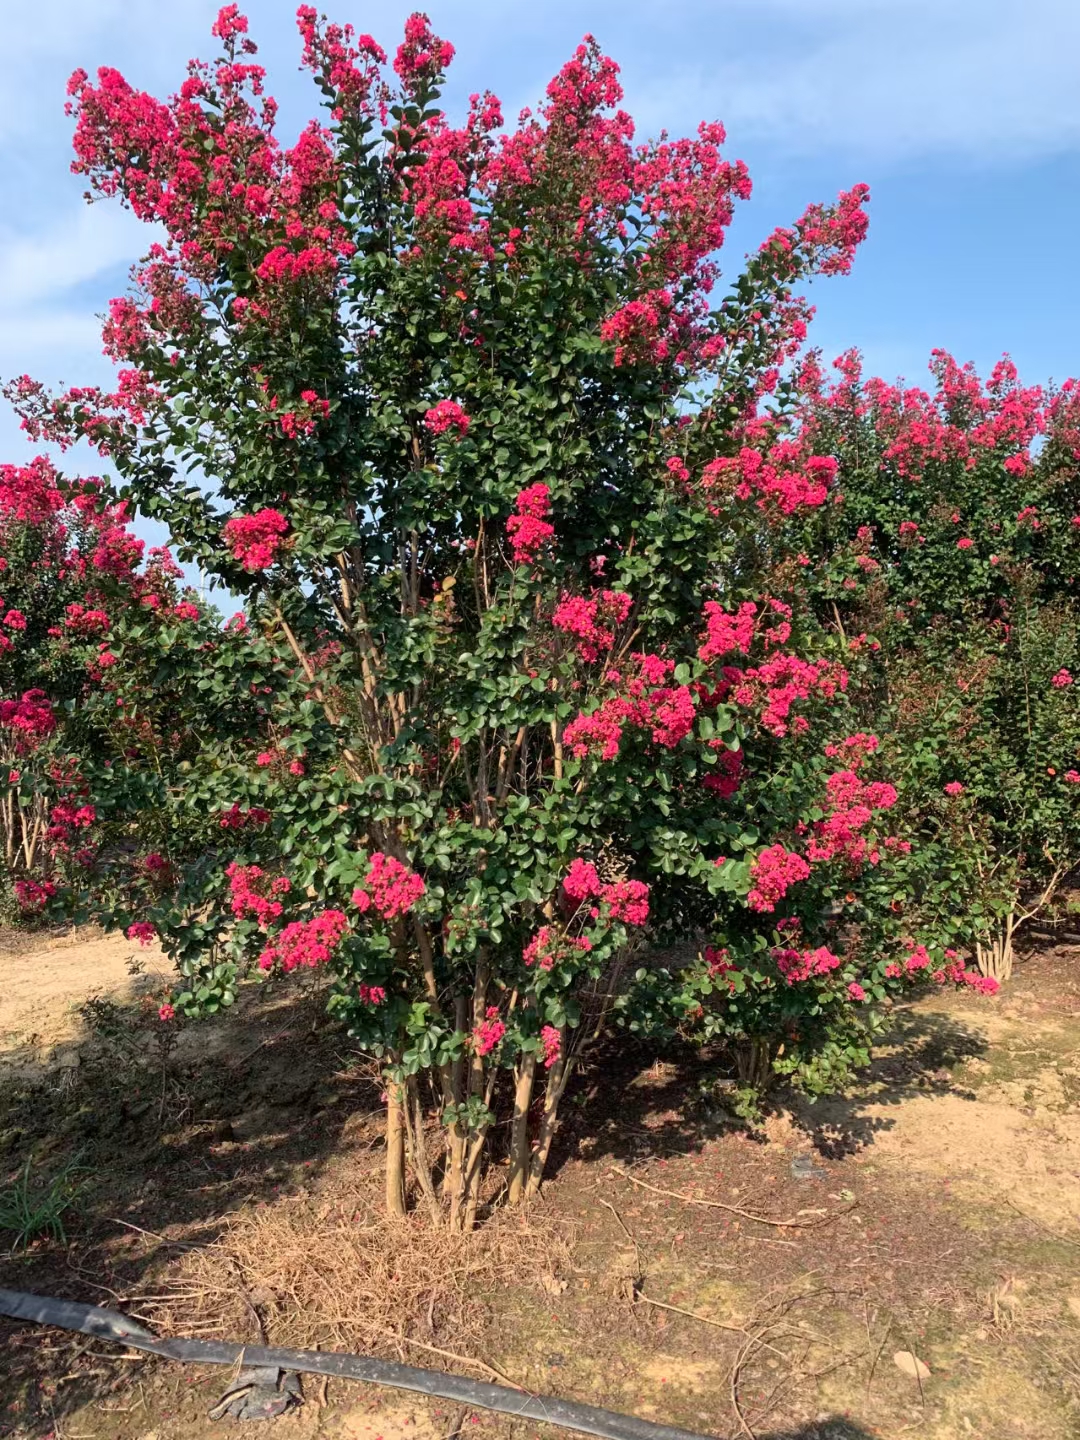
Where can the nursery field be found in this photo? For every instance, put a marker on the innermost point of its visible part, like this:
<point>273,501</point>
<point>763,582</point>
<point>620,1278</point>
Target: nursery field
<point>228,1181</point>
<point>591,910</point>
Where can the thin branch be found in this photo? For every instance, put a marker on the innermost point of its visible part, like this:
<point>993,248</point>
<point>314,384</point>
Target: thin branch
<point>794,1224</point>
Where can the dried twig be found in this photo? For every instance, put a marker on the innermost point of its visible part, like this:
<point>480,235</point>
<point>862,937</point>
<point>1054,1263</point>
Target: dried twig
<point>690,1314</point>
<point>793,1224</point>
<point>877,1356</point>
<point>491,1370</point>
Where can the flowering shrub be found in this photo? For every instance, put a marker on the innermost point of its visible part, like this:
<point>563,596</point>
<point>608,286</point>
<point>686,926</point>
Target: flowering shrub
<point>527,686</point>
<point>949,572</point>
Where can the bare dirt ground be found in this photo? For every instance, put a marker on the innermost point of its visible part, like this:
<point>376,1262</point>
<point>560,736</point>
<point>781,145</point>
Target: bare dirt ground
<point>229,1182</point>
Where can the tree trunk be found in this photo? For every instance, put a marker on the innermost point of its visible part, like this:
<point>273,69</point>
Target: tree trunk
<point>753,1061</point>
<point>414,1124</point>
<point>995,956</point>
<point>519,1130</point>
<point>558,1075</point>
<point>395,1149</point>
<point>454,1174</point>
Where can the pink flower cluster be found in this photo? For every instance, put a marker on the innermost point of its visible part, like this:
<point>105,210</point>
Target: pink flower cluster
<point>294,423</point>
<point>551,1043</point>
<point>254,540</point>
<point>778,683</point>
<point>31,717</point>
<point>65,819</point>
<point>253,892</point>
<point>371,994</point>
<point>529,530</point>
<point>446,415</point>
<point>142,931</point>
<point>306,943</point>
<point>666,712</point>
<point>1062,679</point>
<point>489,1032</point>
<point>29,492</point>
<point>34,895</point>
<point>627,900</point>
<point>785,477</point>
<point>774,870</point>
<point>592,621</point>
<point>851,802</point>
<point>333,51</point>
<point>726,633</point>
<point>648,329</point>
<point>798,965</point>
<point>235,818</point>
<point>394,888</point>
<point>954,787</point>
<point>551,945</point>
<point>422,55</point>
<point>828,235</point>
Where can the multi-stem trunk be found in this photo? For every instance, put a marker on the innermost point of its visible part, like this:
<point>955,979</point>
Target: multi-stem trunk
<point>994,954</point>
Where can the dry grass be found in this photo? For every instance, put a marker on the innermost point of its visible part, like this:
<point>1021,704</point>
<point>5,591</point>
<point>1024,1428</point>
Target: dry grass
<point>311,1275</point>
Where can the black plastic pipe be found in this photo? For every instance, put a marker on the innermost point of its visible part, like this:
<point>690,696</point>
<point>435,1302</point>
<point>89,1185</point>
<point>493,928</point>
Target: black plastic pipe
<point>110,1325</point>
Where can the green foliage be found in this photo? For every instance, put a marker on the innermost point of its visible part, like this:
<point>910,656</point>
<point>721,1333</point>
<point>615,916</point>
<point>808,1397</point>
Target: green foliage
<point>34,1207</point>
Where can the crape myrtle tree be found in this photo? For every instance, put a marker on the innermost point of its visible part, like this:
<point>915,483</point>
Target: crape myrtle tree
<point>103,709</point>
<point>454,408</point>
<point>952,568</point>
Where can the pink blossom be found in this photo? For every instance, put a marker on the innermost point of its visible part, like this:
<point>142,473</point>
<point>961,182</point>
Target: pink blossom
<point>550,945</point>
<point>725,633</point>
<point>253,892</point>
<point>489,1032</point>
<point>166,1012</point>
<point>954,787</point>
<point>774,870</point>
<point>528,530</point>
<point>856,991</point>
<point>964,543</point>
<point>371,994</point>
<point>581,882</point>
<point>1061,679</point>
<point>394,888</point>
<point>628,901</point>
<point>229,23</point>
<point>1072,777</point>
<point>593,621</point>
<point>306,943</point>
<point>34,895</point>
<point>255,539</point>
<point>142,931</point>
<point>446,415</point>
<point>551,1041</point>
<point>798,965</point>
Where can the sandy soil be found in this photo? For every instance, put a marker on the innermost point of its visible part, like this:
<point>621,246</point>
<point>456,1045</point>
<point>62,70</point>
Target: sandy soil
<point>949,1179</point>
<point>46,979</point>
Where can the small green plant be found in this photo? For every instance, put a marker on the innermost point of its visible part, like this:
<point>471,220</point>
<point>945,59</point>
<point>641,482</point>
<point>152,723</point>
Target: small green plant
<point>32,1208</point>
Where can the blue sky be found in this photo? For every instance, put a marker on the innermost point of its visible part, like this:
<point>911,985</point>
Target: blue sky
<point>963,116</point>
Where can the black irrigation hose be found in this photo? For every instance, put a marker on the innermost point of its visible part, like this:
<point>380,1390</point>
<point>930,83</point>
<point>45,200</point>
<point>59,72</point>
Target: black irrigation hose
<point>109,1325</point>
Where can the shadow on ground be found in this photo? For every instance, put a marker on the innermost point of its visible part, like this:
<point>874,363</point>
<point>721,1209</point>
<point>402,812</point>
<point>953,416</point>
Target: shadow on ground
<point>169,1129</point>
<point>627,1104</point>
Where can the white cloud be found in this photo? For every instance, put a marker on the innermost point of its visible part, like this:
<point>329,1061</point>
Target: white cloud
<point>88,241</point>
<point>890,79</point>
